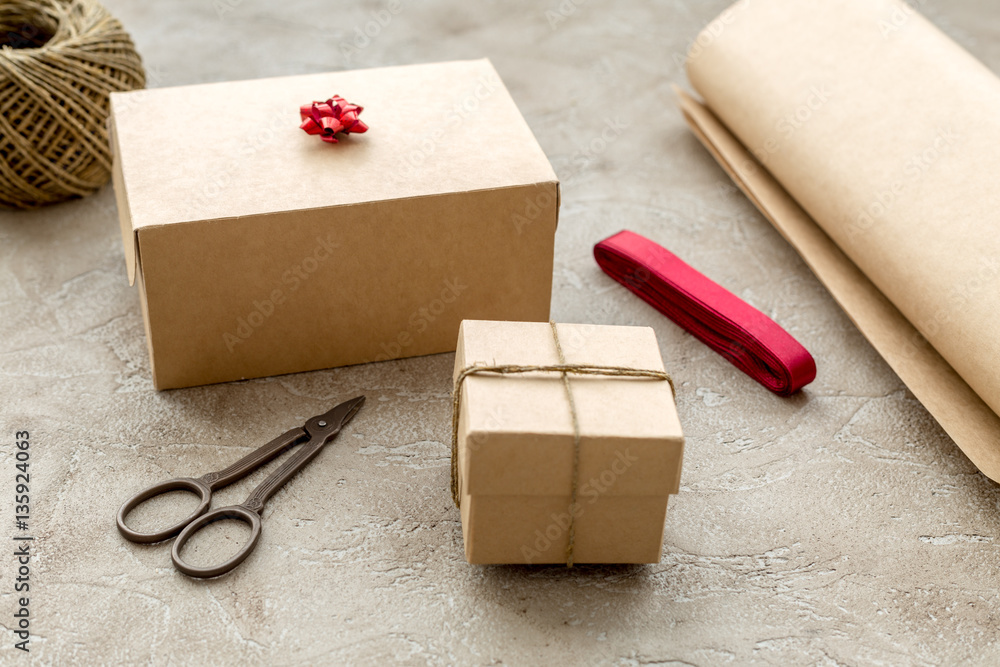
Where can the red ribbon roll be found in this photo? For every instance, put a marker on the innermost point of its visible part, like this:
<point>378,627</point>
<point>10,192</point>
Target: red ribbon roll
<point>748,338</point>
<point>328,118</point>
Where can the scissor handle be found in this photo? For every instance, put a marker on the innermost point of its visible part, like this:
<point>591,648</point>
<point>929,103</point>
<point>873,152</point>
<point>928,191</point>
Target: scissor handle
<point>204,486</point>
<point>238,512</point>
<point>179,484</point>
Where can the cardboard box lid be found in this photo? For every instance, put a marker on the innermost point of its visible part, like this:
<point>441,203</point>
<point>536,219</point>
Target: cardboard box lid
<point>519,427</point>
<point>234,149</point>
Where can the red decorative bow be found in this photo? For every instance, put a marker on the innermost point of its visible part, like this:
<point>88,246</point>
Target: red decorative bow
<point>328,118</point>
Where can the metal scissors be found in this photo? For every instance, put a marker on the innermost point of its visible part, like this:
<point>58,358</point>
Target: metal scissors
<point>312,437</point>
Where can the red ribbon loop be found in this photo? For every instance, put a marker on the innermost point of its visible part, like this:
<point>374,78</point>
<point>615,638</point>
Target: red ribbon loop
<point>328,118</point>
<point>748,338</point>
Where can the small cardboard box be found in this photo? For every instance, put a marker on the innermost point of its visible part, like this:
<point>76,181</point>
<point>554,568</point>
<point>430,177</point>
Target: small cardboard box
<point>261,250</point>
<point>516,442</point>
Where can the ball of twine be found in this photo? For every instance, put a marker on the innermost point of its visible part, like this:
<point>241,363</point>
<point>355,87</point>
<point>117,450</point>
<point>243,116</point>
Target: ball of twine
<point>59,61</point>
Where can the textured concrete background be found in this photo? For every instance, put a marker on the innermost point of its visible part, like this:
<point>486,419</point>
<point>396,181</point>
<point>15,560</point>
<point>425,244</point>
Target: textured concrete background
<point>837,527</point>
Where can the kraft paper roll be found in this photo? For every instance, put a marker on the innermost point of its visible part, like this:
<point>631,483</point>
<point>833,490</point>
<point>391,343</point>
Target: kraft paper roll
<point>869,138</point>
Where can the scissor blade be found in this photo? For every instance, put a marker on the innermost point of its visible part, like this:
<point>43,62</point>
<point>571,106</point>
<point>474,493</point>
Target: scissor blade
<point>338,417</point>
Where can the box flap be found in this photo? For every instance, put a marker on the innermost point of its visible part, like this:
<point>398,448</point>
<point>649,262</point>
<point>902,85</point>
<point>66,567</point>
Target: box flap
<point>130,242</point>
<point>234,149</point>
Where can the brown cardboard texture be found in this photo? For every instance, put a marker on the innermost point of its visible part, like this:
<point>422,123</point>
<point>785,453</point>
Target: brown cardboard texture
<point>261,250</point>
<point>515,446</point>
<point>866,136</point>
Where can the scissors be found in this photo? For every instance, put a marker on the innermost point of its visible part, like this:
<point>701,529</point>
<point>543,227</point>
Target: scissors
<point>312,437</point>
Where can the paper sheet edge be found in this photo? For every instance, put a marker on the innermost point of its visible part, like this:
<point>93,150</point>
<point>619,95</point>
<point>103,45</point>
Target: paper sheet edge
<point>964,416</point>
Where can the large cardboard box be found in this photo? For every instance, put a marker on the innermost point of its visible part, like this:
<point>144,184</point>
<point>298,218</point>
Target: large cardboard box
<point>260,250</point>
<point>516,446</point>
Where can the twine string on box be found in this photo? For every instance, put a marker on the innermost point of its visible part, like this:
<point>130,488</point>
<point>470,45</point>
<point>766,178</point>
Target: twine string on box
<point>565,370</point>
<point>59,61</point>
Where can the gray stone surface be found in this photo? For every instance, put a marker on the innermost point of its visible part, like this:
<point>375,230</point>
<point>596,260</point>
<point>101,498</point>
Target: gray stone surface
<point>837,527</point>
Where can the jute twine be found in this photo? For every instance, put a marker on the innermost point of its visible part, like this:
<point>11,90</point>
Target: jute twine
<point>565,371</point>
<point>59,61</point>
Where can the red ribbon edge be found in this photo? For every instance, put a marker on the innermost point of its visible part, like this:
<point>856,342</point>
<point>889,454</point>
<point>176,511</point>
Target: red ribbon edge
<point>748,338</point>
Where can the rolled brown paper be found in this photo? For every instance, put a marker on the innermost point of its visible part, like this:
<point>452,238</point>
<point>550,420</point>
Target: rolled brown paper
<point>868,137</point>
